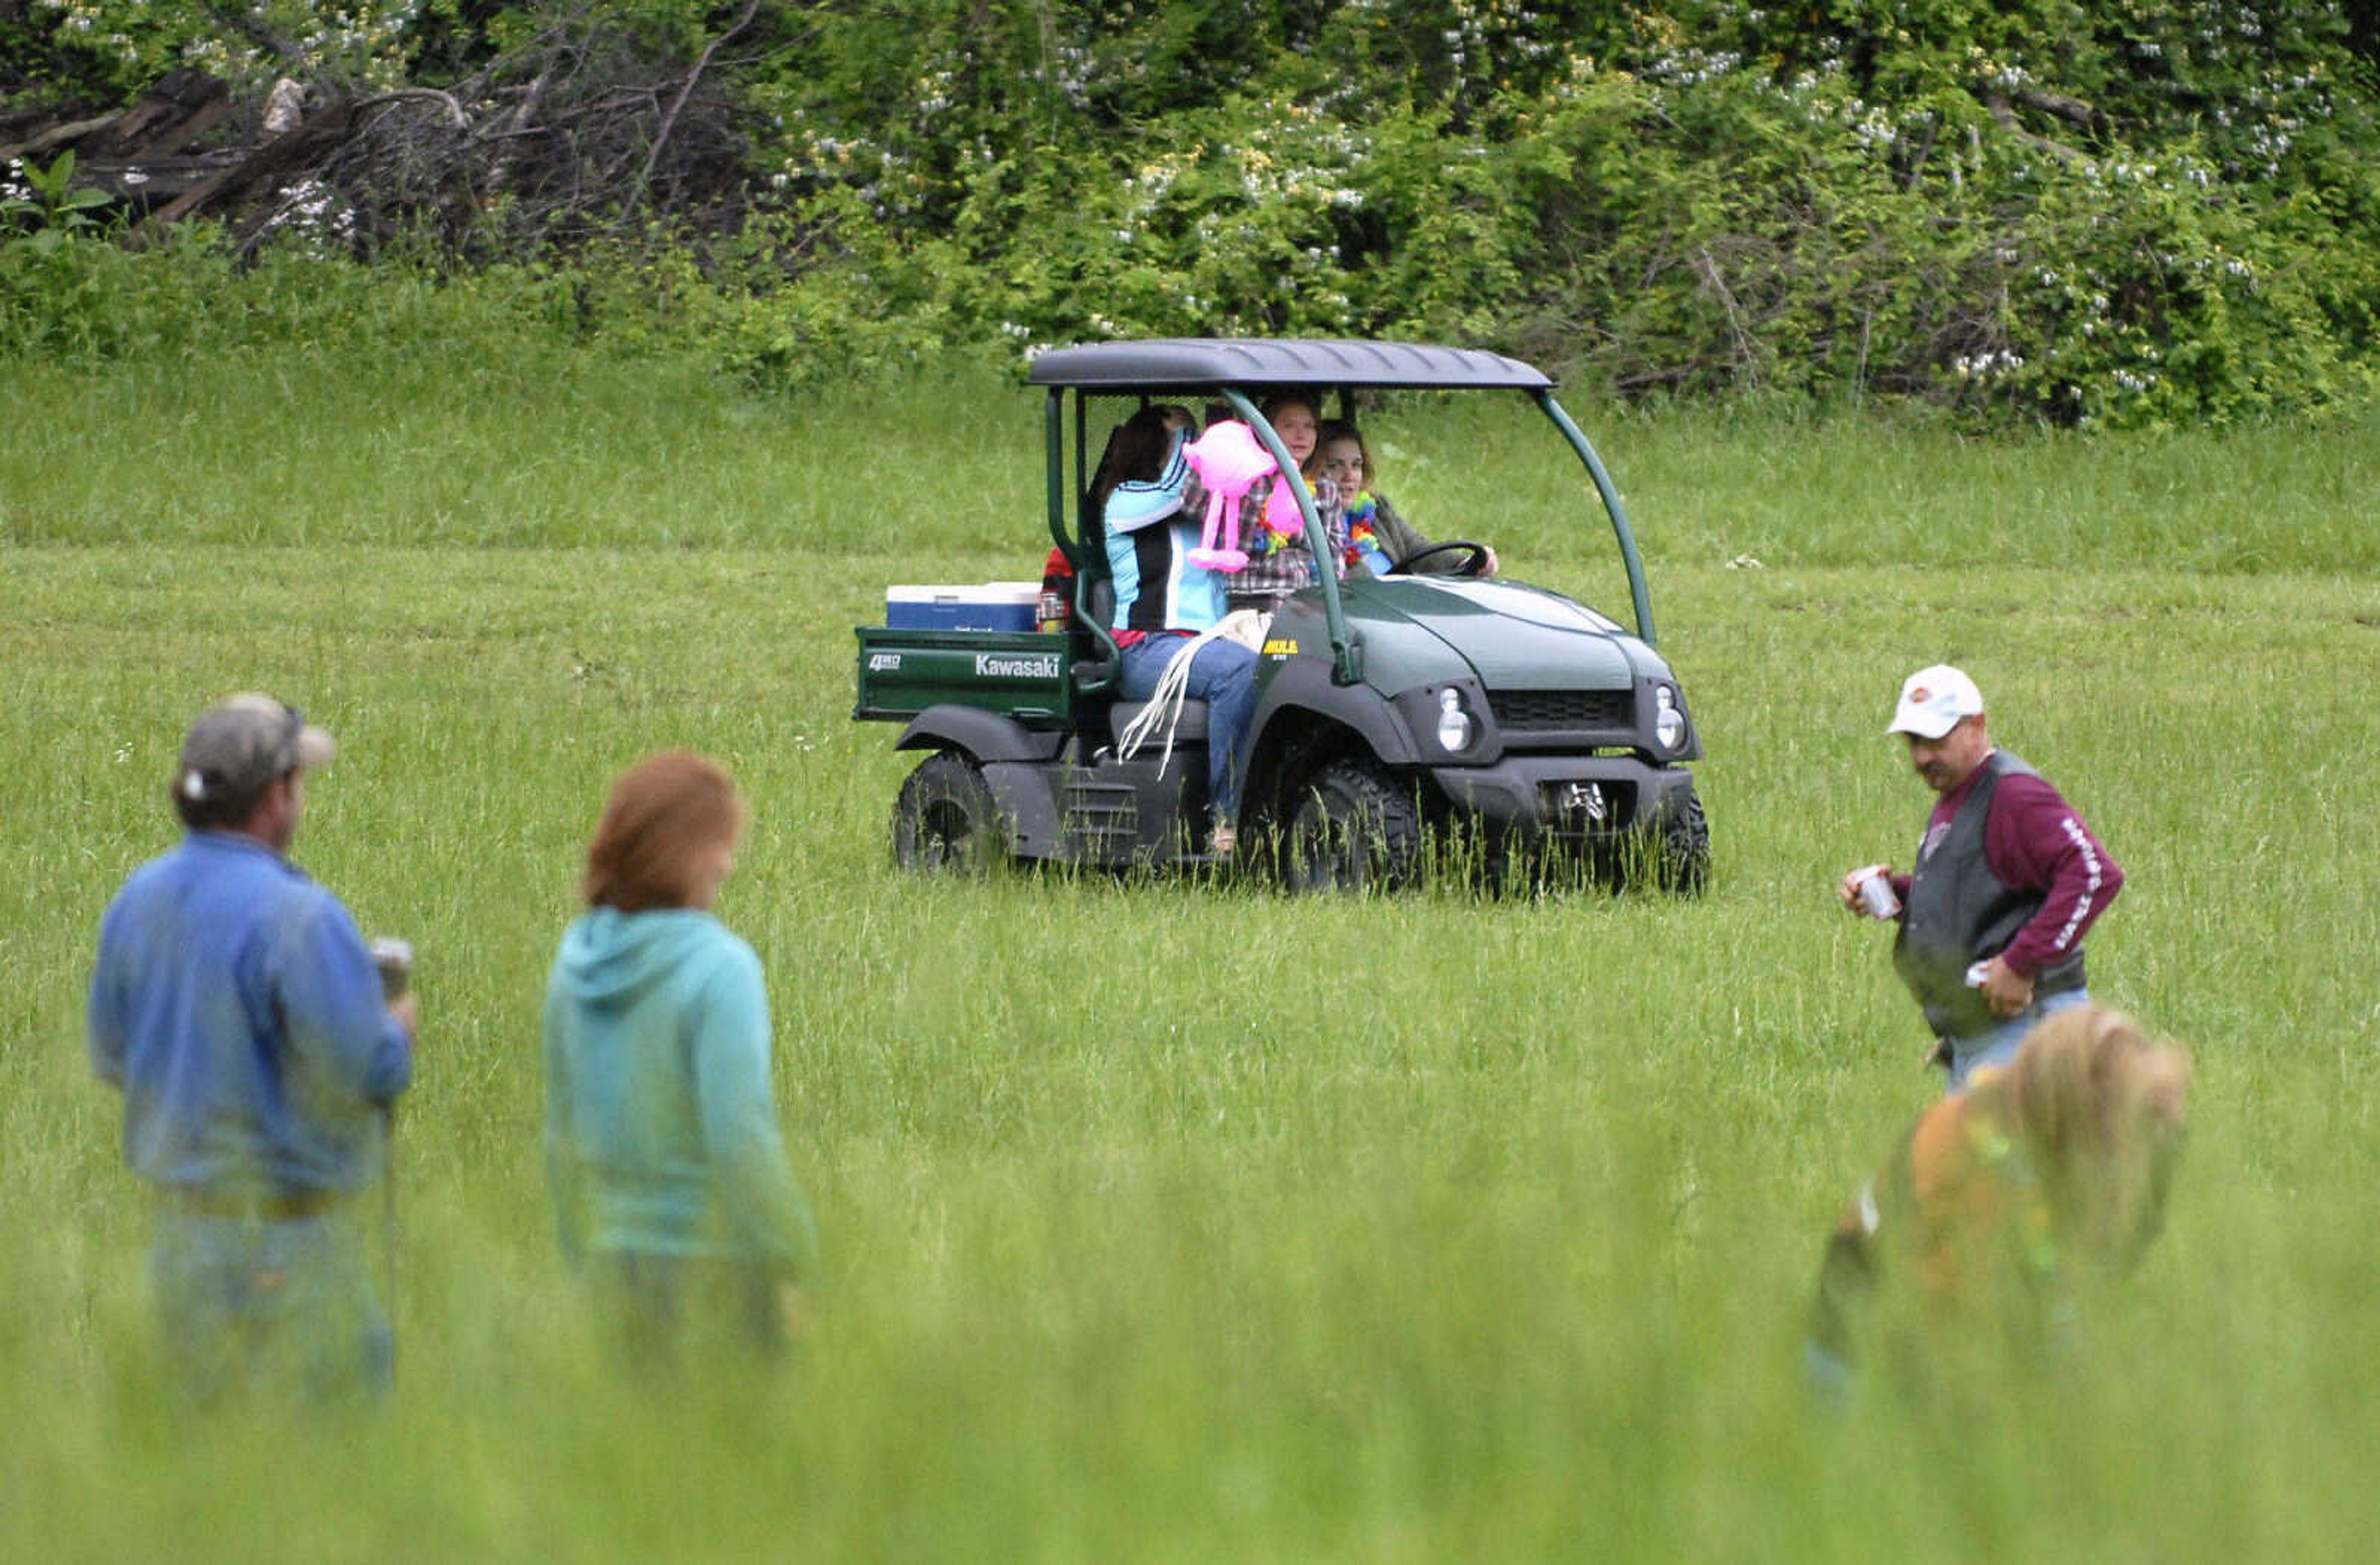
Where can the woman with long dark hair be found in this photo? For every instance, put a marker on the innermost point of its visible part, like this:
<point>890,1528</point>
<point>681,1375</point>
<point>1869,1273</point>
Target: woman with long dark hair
<point>1164,603</point>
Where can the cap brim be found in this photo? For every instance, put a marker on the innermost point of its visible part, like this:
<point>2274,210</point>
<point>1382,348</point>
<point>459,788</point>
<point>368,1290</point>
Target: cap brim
<point>315,748</point>
<point>1922,725</point>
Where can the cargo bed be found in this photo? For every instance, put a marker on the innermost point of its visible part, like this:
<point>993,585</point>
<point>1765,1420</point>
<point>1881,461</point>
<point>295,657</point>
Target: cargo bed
<point>1020,675</point>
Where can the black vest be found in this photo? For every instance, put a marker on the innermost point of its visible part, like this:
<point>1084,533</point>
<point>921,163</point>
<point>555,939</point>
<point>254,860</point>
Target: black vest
<point>1959,914</point>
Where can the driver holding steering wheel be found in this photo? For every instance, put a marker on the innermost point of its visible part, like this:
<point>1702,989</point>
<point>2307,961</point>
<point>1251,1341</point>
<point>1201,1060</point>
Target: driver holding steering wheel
<point>1342,458</point>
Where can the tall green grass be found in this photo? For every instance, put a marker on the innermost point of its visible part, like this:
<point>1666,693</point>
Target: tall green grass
<point>528,442</point>
<point>1174,1219</point>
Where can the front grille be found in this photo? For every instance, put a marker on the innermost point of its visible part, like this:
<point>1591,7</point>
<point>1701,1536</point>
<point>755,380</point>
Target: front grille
<point>1521,710</point>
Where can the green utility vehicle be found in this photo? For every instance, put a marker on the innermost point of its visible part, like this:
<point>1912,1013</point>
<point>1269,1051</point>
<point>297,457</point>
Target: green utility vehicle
<point>1388,708</point>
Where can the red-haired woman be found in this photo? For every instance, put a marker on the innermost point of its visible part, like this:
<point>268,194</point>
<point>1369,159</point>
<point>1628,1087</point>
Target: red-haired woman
<point>669,1177</point>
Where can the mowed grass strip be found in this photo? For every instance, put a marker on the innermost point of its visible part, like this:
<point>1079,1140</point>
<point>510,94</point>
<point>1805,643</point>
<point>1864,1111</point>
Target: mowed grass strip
<point>1186,1221</point>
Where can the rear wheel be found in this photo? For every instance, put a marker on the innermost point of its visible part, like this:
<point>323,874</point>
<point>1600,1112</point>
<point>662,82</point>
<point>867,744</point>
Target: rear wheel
<point>1352,826</point>
<point>946,819</point>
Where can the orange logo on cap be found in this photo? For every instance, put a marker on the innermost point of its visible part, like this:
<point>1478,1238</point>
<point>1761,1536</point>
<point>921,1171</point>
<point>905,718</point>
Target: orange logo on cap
<point>1921,695</point>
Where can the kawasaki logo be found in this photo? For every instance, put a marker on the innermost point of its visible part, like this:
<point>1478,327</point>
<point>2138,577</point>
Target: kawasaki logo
<point>1034,665</point>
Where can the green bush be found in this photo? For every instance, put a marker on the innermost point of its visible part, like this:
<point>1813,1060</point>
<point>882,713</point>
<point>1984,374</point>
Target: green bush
<point>2018,212</point>
<point>2029,211</point>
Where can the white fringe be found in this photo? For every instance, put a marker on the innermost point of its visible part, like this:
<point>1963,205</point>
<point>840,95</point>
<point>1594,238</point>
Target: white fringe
<point>1246,626</point>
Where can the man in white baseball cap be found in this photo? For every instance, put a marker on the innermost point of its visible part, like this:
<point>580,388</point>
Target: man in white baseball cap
<point>1933,701</point>
<point>239,1011</point>
<point>2007,880</point>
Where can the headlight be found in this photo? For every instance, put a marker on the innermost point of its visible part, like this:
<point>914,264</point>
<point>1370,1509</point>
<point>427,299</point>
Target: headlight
<point>1453,723</point>
<point>1668,722</point>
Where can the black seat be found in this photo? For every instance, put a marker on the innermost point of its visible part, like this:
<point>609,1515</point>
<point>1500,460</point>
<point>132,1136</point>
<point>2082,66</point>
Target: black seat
<point>1094,607</point>
<point>1191,729</point>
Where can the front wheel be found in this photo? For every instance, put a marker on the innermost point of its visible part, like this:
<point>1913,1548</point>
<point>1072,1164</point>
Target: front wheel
<point>1354,827</point>
<point>946,818</point>
<point>1683,864</point>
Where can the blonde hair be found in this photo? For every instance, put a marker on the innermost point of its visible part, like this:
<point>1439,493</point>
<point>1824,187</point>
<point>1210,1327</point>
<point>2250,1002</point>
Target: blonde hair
<point>2099,1106</point>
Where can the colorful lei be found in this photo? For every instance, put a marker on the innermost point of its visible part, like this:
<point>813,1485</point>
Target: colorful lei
<point>1362,537</point>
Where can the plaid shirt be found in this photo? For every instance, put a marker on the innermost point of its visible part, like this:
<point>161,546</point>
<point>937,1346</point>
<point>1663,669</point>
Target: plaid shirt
<point>1272,576</point>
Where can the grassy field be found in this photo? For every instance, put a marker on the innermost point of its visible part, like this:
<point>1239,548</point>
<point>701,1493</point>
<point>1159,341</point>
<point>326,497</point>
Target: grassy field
<point>1182,1221</point>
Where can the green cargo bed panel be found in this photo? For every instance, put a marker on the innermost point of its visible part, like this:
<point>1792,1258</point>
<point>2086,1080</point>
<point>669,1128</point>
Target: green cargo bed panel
<point>1019,674</point>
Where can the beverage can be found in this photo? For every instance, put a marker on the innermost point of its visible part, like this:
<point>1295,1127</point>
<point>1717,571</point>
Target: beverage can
<point>1876,893</point>
<point>1057,584</point>
<point>395,959</point>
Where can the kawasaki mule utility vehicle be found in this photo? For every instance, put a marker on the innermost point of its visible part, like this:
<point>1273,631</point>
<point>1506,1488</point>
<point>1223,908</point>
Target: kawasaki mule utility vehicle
<point>1388,707</point>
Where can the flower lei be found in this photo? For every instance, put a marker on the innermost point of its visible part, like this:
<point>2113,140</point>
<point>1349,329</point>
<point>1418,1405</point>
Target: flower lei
<point>1363,535</point>
<point>1263,539</point>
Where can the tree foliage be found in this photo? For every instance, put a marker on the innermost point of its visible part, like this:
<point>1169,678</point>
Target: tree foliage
<point>2128,213</point>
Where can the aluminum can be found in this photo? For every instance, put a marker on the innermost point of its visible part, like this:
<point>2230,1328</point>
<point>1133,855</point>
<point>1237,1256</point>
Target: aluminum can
<point>1876,893</point>
<point>395,959</point>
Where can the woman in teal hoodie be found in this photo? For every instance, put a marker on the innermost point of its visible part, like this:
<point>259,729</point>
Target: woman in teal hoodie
<point>669,1177</point>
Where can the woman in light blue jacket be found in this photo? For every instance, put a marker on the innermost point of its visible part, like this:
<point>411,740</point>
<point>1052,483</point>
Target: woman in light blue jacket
<point>669,1177</point>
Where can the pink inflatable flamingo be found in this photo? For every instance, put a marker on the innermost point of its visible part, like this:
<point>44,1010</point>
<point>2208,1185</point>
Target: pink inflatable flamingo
<point>1229,462</point>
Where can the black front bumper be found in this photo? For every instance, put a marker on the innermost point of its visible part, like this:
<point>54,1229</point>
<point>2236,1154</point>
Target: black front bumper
<point>1568,798</point>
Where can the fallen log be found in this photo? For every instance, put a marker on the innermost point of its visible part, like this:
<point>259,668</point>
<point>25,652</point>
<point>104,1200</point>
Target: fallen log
<point>55,136</point>
<point>143,184</point>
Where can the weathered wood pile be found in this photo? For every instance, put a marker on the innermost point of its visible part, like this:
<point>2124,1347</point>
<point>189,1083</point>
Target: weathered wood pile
<point>177,137</point>
<point>571,137</point>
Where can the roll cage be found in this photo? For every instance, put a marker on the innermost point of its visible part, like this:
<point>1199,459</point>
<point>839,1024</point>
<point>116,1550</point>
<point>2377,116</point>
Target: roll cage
<point>1239,370</point>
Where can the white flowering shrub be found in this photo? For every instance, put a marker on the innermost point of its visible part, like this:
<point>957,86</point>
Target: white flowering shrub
<point>2019,210</point>
<point>247,43</point>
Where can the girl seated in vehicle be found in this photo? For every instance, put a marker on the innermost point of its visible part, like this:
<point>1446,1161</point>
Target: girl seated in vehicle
<point>1376,536</point>
<point>1286,563</point>
<point>1146,500</point>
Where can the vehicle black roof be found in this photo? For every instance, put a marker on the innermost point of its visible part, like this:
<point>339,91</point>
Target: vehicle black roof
<point>1205,363</point>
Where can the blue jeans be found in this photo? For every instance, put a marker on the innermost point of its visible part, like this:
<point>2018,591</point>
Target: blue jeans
<point>1997,1045</point>
<point>1222,674</point>
<point>283,1307</point>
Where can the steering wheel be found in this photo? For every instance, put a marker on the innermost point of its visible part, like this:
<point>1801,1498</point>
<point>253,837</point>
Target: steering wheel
<point>1474,566</point>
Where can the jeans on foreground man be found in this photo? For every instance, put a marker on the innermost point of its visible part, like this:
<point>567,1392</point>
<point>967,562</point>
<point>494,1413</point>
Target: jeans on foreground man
<point>2007,883</point>
<point>238,1010</point>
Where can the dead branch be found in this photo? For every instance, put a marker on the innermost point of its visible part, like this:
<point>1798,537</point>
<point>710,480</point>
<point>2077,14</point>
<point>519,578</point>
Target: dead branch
<point>2007,121</point>
<point>669,120</point>
<point>1917,163</point>
<point>283,155</point>
<point>581,132</point>
<point>1746,355</point>
<point>2074,111</point>
<point>72,130</point>
<point>455,115</point>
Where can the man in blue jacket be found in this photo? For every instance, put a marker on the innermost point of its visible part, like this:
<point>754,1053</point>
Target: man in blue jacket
<point>238,1010</point>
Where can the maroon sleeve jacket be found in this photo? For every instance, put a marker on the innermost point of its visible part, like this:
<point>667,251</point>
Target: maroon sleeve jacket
<point>2035,839</point>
